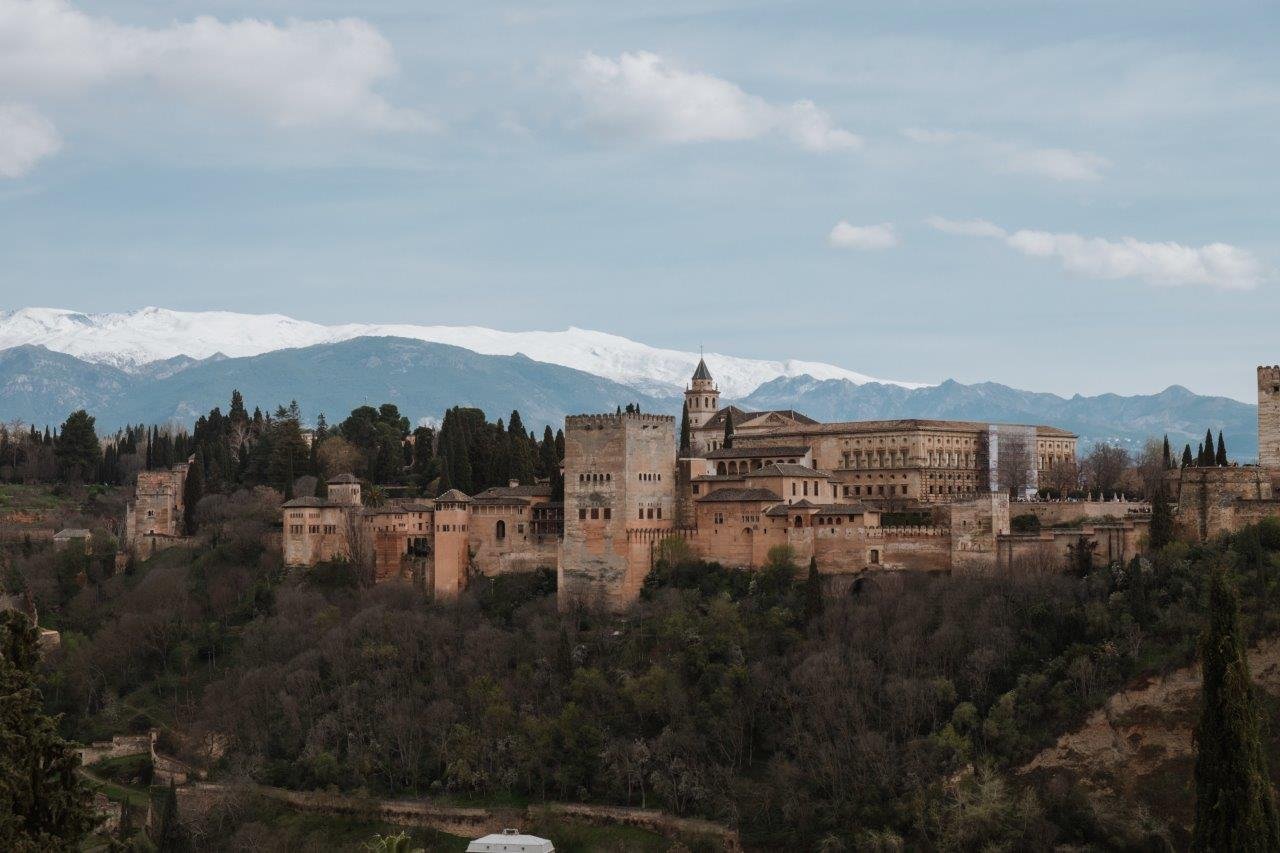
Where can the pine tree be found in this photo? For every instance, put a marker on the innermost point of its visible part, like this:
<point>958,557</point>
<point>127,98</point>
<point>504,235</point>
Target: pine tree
<point>1220,458</point>
<point>193,491</point>
<point>44,804</point>
<point>728,429</point>
<point>685,438</point>
<point>1235,806</point>
<point>1186,456</point>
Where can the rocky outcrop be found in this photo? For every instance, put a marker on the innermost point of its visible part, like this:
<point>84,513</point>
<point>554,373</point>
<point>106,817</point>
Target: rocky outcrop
<point>1138,747</point>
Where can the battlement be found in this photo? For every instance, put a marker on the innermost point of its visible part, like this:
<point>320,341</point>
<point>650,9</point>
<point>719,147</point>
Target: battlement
<point>1268,377</point>
<point>614,421</point>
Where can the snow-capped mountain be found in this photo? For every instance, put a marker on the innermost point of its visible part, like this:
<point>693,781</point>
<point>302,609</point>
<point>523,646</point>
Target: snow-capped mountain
<point>131,340</point>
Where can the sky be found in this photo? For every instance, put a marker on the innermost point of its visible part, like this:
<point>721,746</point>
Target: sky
<point>1077,197</point>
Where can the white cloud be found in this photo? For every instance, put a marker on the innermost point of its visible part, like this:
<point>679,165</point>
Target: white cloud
<point>966,227</point>
<point>846,236</point>
<point>1168,264</point>
<point>300,73</point>
<point>1059,164</point>
<point>26,138</point>
<point>643,95</point>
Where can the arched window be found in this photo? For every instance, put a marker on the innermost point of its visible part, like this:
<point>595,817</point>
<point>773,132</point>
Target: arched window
<point>799,521</point>
<point>500,529</point>
<point>720,469</point>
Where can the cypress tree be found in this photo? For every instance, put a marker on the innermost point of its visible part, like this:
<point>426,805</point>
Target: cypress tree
<point>1186,456</point>
<point>171,836</point>
<point>684,430</point>
<point>1167,456</point>
<point>1200,454</point>
<point>813,603</point>
<point>44,804</point>
<point>1235,807</point>
<point>1220,458</point>
<point>193,491</point>
<point>548,460</point>
<point>728,429</point>
<point>1161,519</point>
<point>1208,447</point>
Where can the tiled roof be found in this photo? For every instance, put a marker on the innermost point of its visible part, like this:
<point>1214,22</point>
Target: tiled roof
<point>344,478</point>
<point>749,452</point>
<point>786,469</point>
<point>906,424</point>
<point>453,496</point>
<point>731,495</point>
<point>499,500</point>
<point>307,501</point>
<point>536,490</point>
<point>701,372</point>
<point>740,416</point>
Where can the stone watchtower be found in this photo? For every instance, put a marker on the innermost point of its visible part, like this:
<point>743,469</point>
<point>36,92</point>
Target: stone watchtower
<point>452,556</point>
<point>619,502</point>
<point>701,398</point>
<point>1269,416</point>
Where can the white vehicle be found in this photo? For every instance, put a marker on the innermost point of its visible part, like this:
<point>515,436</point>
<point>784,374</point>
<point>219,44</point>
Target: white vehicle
<point>511,841</point>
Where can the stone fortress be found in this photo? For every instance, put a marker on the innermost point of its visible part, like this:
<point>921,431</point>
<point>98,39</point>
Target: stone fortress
<point>912,494</point>
<point>154,518</point>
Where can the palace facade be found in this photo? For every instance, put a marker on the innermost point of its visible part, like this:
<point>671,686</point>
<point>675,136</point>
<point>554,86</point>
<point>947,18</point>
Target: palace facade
<point>856,496</point>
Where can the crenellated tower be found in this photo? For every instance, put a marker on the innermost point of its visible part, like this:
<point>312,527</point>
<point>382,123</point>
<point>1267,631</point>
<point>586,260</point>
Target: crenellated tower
<point>702,398</point>
<point>1269,416</point>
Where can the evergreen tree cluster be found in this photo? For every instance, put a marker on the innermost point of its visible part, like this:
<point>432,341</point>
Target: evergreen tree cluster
<point>1206,455</point>
<point>239,449</point>
<point>475,454</point>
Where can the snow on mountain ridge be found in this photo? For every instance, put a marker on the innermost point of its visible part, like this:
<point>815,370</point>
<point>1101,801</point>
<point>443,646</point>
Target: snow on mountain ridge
<point>133,339</point>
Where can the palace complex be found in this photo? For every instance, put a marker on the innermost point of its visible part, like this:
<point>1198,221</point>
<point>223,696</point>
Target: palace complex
<point>910,494</point>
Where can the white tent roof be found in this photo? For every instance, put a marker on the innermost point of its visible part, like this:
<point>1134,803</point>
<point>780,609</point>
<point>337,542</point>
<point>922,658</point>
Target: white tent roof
<point>510,841</point>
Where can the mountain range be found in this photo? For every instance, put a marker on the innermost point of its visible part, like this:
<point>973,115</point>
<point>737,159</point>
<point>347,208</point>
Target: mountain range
<point>158,366</point>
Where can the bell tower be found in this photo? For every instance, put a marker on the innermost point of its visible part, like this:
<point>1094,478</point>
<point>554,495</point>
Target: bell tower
<point>701,398</point>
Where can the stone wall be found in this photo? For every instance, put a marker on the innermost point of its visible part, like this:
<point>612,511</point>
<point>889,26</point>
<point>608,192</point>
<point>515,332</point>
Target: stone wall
<point>118,747</point>
<point>1069,512</point>
<point>1207,499</point>
<point>1048,550</point>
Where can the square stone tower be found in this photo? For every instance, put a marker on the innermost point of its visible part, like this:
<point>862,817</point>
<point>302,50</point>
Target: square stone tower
<point>619,501</point>
<point>1269,416</point>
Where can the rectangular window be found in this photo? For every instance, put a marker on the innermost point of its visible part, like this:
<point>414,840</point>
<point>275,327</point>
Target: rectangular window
<point>650,512</point>
<point>640,513</point>
<point>608,513</point>
<point>695,488</point>
<point>595,513</point>
<point>582,515</point>
<point>659,512</point>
